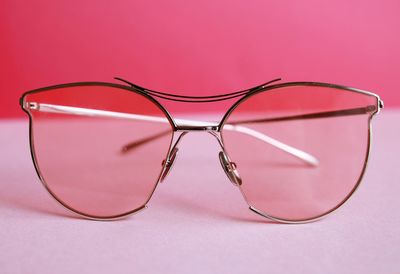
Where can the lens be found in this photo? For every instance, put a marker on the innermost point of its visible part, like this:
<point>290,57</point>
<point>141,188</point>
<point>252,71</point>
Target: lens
<point>98,148</point>
<point>300,150</point>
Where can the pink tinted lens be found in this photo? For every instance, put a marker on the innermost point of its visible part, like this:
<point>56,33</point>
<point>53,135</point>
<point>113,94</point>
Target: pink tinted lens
<point>98,148</point>
<point>302,167</point>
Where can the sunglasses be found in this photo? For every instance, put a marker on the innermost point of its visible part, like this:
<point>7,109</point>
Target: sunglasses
<point>296,151</point>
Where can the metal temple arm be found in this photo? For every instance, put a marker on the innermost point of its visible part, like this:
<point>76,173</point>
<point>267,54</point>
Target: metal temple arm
<point>326,114</point>
<point>282,146</point>
<point>306,157</point>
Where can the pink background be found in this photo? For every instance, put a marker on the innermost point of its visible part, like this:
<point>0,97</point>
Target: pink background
<point>197,221</point>
<point>198,47</point>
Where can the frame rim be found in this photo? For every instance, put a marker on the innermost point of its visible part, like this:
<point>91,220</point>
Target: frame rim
<point>37,168</point>
<point>106,84</point>
<point>289,84</point>
<point>379,106</point>
<point>337,206</point>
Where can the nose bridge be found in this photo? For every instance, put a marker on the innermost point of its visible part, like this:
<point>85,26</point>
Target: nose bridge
<point>227,165</point>
<point>181,130</point>
<point>193,124</point>
<point>203,127</point>
<point>212,129</point>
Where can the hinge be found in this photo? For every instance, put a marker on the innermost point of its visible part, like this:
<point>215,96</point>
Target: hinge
<point>380,104</point>
<point>32,105</point>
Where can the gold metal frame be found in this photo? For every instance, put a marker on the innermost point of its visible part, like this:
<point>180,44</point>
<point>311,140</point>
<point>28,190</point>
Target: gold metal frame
<point>178,131</point>
<point>25,108</point>
<point>379,106</point>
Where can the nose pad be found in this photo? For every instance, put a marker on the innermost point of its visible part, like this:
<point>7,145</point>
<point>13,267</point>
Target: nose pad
<point>169,162</point>
<point>230,169</point>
